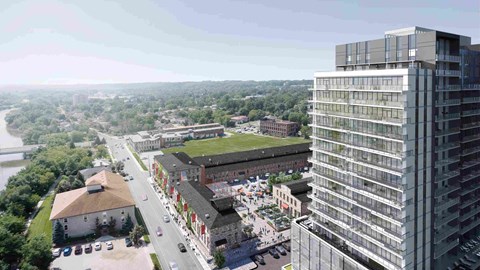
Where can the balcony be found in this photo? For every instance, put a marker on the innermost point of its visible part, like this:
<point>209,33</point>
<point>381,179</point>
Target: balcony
<point>445,204</point>
<point>469,151</point>
<point>470,226</point>
<point>446,117</point>
<point>447,88</point>
<point>439,221</point>
<point>468,202</point>
<point>470,176</point>
<point>448,102</point>
<point>445,232</point>
<point>470,214</point>
<point>446,190</point>
<point>447,132</point>
<point>343,87</point>
<point>471,86</point>
<point>447,58</point>
<point>470,100</point>
<point>443,247</point>
<point>470,163</point>
<point>471,113</point>
<point>446,146</point>
<point>469,189</point>
<point>470,138</point>
<point>448,73</point>
<point>447,161</point>
<point>384,103</point>
<point>331,100</point>
<point>374,118</point>
<point>470,125</point>
<point>446,176</point>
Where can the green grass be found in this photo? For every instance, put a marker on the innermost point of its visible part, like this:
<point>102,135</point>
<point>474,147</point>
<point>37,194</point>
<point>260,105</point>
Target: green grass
<point>137,157</point>
<point>235,143</point>
<point>41,224</point>
<point>156,263</point>
<point>146,238</point>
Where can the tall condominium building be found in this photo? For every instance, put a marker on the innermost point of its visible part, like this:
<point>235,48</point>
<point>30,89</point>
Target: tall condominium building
<point>396,156</point>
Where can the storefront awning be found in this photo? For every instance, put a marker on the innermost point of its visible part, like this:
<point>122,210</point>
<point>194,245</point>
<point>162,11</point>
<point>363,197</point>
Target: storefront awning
<point>284,206</point>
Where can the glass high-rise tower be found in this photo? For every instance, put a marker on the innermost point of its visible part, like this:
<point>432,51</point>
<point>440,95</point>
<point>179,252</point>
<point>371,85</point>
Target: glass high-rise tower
<point>396,156</point>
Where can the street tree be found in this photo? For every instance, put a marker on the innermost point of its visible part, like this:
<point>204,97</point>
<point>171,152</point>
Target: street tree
<point>128,225</point>
<point>136,234</point>
<point>58,236</point>
<point>219,258</point>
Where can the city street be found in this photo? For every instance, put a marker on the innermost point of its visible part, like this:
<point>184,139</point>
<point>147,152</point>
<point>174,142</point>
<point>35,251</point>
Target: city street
<point>152,210</point>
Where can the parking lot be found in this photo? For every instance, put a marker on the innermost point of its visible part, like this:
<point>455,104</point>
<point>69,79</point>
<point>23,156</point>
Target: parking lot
<point>120,257</point>
<point>272,263</point>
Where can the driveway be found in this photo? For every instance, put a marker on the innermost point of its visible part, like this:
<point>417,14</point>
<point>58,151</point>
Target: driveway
<point>120,257</point>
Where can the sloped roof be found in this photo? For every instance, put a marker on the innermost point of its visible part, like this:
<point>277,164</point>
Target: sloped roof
<point>176,161</point>
<point>87,173</point>
<point>114,194</point>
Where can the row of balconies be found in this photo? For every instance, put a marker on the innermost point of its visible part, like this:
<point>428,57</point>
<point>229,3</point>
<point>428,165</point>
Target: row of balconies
<point>470,100</point>
<point>470,163</point>
<point>470,125</point>
<point>445,204</point>
<point>470,226</point>
<point>471,112</point>
<point>470,176</point>
<point>447,161</point>
<point>446,146</point>
<point>444,247</point>
<point>470,138</point>
<point>447,58</point>
<point>447,116</point>
<point>447,175</point>
<point>448,102</point>
<point>343,87</point>
<point>446,72</point>
<point>440,191</point>
<point>469,189</point>
<point>447,132</point>
<point>471,213</point>
<point>469,151</point>
<point>445,232</point>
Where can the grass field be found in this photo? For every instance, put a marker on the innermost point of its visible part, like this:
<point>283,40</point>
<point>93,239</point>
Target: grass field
<point>41,223</point>
<point>235,143</point>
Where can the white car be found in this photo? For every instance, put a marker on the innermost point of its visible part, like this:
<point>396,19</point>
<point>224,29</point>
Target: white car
<point>98,246</point>
<point>56,252</point>
<point>109,245</point>
<point>166,218</point>
<point>173,265</point>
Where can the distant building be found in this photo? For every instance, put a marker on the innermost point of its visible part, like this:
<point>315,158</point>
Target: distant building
<point>241,165</point>
<point>105,196</point>
<point>239,119</point>
<point>101,162</point>
<point>172,168</point>
<point>278,128</point>
<point>143,141</point>
<point>292,197</point>
<point>213,219</point>
<point>79,99</point>
<point>197,131</point>
<point>89,172</point>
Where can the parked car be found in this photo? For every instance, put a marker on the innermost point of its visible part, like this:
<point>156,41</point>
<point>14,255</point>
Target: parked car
<point>281,250</point>
<point>109,245</point>
<point>166,218</point>
<point>67,251</point>
<point>56,252</point>
<point>259,259</point>
<point>128,242</point>
<point>88,248</point>
<point>130,177</point>
<point>98,246</point>
<point>173,265</point>
<point>128,158</point>
<point>78,249</point>
<point>286,245</point>
<point>144,197</point>
<point>159,231</point>
<point>182,247</point>
<point>274,253</point>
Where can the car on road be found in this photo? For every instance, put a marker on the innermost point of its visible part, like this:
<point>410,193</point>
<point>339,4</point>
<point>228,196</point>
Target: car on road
<point>128,242</point>
<point>67,251</point>
<point>78,249</point>
<point>173,265</point>
<point>159,231</point>
<point>286,245</point>
<point>144,197</point>
<point>109,245</point>
<point>88,248</point>
<point>259,259</point>
<point>125,179</point>
<point>98,246</point>
<point>274,253</point>
<point>130,177</point>
<point>166,218</point>
<point>181,247</point>
<point>281,250</point>
<point>128,158</point>
<point>56,252</point>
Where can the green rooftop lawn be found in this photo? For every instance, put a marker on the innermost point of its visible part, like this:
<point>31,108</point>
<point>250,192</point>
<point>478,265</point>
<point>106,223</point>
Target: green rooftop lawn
<point>234,143</point>
<point>41,223</point>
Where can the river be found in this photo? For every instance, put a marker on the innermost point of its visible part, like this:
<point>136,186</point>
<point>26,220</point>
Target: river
<point>9,164</point>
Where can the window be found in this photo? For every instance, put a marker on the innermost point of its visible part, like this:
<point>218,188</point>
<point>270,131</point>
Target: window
<point>66,235</point>
<point>65,220</point>
<point>104,214</point>
<point>123,219</point>
<point>123,212</point>
<point>85,218</point>
<point>65,227</point>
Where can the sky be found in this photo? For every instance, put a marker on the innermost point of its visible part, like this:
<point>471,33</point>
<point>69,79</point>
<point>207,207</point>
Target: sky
<point>70,42</point>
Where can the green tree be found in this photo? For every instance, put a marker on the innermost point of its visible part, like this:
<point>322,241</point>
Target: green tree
<point>127,225</point>
<point>10,245</point>
<point>219,258</point>
<point>13,224</point>
<point>58,236</point>
<point>136,234</point>
<point>37,252</point>
<point>111,225</point>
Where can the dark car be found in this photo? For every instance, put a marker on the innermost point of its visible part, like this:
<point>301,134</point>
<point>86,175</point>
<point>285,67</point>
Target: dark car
<point>182,247</point>
<point>88,248</point>
<point>259,259</point>
<point>286,245</point>
<point>78,249</point>
<point>274,253</point>
<point>128,242</point>
<point>281,250</point>
<point>67,251</point>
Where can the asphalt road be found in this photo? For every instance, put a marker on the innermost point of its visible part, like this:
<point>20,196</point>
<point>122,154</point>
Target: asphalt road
<point>152,211</point>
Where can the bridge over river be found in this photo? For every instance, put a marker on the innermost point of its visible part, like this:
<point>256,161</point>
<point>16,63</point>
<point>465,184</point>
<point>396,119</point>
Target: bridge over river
<point>26,150</point>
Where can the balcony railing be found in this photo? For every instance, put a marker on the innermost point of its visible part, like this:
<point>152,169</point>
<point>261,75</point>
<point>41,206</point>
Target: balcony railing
<point>471,176</point>
<point>448,88</point>
<point>470,163</point>
<point>470,226</point>
<point>444,219</point>
<point>469,189</point>
<point>470,125</point>
<point>444,72</point>
<point>470,138</point>
<point>471,113</point>
<point>447,161</point>
<point>443,247</point>
<point>471,100</point>
<point>469,151</point>
<point>447,132</point>
<point>446,117</point>
<point>446,232</point>
<point>446,146</point>
<point>471,86</point>
<point>447,58</point>
<point>446,190</point>
<point>372,117</point>
<point>470,214</point>
<point>446,176</point>
<point>469,202</point>
<point>448,102</point>
<point>445,204</point>
<point>386,103</point>
<point>396,88</point>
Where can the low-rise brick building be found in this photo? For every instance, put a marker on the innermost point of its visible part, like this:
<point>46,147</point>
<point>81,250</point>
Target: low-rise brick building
<point>292,197</point>
<point>197,131</point>
<point>241,165</point>
<point>278,128</point>
<point>212,219</point>
<point>175,167</point>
